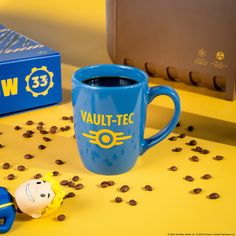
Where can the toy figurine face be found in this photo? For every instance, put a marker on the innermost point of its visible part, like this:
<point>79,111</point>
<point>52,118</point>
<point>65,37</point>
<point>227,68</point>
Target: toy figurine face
<point>33,196</point>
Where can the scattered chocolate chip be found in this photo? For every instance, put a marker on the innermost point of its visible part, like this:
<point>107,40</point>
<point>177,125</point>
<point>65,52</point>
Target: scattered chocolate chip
<point>65,118</point>
<point>75,178</point>
<point>110,182</point>
<point>17,127</point>
<point>205,151</point>
<point>189,178</point>
<point>104,184</point>
<point>213,196</point>
<point>199,149</point>
<point>183,135</point>
<point>1,146</point>
<point>132,202</point>
<point>28,156</point>
<point>218,158</point>
<point>190,128</point>
<point>43,132</point>
<point>59,162</point>
<point>71,184</point>
<point>41,147</point>
<point>11,177</point>
<point>6,166</point>
<point>178,149</point>
<point>61,217</point>
<point>173,168</point>
<point>173,138</point>
<point>194,159</point>
<point>55,173</point>
<point>52,131</point>
<point>41,123</point>
<point>39,127</point>
<point>178,124</point>
<point>46,139</point>
<point>197,190</point>
<point>27,135</point>
<point>29,122</point>
<point>71,118</point>
<point>70,195</point>
<point>118,199</point>
<point>0,133</point>
<point>29,132</point>
<point>67,127</point>
<point>124,188</point>
<point>21,168</point>
<point>74,136</point>
<point>38,176</point>
<point>78,186</point>
<point>192,143</point>
<point>206,176</point>
<point>148,187</point>
<point>64,182</point>
<point>62,129</point>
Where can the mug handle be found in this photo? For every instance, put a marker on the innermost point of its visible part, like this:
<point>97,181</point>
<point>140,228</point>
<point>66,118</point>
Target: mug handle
<point>152,93</point>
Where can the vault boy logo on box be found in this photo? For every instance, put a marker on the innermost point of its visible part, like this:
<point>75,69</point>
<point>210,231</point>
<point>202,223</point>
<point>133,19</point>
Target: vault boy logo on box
<point>30,74</point>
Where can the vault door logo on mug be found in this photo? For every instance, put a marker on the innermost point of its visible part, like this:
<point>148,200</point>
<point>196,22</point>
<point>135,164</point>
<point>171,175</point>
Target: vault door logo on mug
<point>106,138</point>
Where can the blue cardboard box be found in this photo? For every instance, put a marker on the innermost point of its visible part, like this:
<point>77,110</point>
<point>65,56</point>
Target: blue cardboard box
<point>30,73</point>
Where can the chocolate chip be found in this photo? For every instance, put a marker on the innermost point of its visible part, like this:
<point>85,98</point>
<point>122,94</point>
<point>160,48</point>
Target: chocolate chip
<point>192,143</point>
<point>178,124</point>
<point>78,186</point>
<point>67,127</point>
<point>29,132</point>
<point>132,202</point>
<point>65,118</point>
<point>183,135</point>
<point>0,133</point>
<point>17,127</point>
<point>41,123</point>
<point>110,182</point>
<point>43,132</point>
<point>189,178</point>
<point>213,196</point>
<point>118,199</point>
<point>41,147</point>
<point>148,187</point>
<point>173,168</point>
<point>178,149</point>
<point>74,136</point>
<point>64,182</point>
<point>27,135</point>
<point>194,159</point>
<point>1,146</point>
<point>52,131</point>
<point>11,177</point>
<point>46,139</point>
<point>62,129</point>
<point>124,188</point>
<point>190,128</point>
<point>55,173</point>
<point>173,138</point>
<point>29,122</point>
<point>71,118</point>
<point>75,178</point>
<point>218,158</point>
<point>206,176</point>
<point>199,149</point>
<point>38,176</point>
<point>71,184</point>
<point>70,195</point>
<point>21,168</point>
<point>39,127</point>
<point>205,151</point>
<point>197,190</point>
<point>104,184</point>
<point>6,166</point>
<point>28,156</point>
<point>59,162</point>
<point>61,217</point>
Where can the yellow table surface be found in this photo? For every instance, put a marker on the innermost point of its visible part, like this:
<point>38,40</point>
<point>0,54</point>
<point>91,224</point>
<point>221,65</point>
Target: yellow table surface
<point>169,208</point>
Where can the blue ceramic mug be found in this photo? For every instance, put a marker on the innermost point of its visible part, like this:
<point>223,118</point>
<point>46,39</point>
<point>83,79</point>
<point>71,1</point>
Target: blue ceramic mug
<point>110,105</point>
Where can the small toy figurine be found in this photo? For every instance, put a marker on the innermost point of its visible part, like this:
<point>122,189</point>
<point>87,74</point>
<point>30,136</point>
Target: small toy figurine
<point>35,198</point>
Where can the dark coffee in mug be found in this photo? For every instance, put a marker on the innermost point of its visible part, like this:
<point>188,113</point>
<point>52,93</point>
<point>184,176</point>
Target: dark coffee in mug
<point>110,81</point>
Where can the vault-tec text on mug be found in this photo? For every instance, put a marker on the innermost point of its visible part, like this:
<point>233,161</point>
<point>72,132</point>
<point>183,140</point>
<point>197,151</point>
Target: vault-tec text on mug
<point>110,103</point>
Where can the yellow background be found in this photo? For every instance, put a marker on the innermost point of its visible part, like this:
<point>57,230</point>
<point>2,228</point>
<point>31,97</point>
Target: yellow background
<point>77,30</point>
